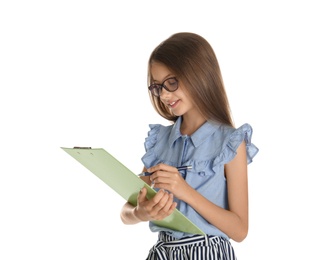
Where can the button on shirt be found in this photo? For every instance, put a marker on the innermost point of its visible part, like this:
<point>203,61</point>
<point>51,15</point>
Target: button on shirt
<point>208,149</point>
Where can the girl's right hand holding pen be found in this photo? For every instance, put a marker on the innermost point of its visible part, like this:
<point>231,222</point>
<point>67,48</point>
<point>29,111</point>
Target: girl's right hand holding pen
<point>168,178</point>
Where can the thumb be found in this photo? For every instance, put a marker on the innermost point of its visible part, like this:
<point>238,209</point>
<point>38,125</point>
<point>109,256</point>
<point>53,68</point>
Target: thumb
<point>142,195</point>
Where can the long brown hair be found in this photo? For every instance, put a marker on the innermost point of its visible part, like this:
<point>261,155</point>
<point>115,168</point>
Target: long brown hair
<point>192,59</point>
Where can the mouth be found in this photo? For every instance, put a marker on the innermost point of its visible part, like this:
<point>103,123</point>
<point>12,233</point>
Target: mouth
<point>173,104</point>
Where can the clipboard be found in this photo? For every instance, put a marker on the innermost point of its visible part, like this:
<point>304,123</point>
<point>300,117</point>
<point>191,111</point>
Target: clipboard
<point>126,183</point>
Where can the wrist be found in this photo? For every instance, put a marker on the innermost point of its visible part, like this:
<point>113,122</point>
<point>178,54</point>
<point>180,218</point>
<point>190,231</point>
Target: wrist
<point>137,216</point>
<point>188,195</point>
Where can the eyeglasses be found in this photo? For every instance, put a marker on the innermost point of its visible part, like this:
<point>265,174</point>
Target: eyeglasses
<point>169,84</point>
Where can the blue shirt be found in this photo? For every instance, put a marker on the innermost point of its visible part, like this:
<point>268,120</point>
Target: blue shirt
<point>208,149</point>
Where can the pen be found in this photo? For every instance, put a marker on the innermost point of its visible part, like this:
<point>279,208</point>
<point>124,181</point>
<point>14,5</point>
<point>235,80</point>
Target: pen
<point>187,167</point>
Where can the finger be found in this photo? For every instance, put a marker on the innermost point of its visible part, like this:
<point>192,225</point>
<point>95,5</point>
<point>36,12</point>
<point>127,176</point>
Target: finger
<point>159,200</point>
<point>142,195</point>
<point>170,201</point>
<point>165,203</point>
<point>159,195</point>
<point>166,175</point>
<point>161,167</point>
<point>168,208</point>
<point>171,205</point>
<point>164,183</point>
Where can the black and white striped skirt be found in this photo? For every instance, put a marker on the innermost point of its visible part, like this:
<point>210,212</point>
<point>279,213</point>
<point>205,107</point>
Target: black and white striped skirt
<point>191,248</point>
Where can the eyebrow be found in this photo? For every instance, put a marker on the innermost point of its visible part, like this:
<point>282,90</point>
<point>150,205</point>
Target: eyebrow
<point>166,77</point>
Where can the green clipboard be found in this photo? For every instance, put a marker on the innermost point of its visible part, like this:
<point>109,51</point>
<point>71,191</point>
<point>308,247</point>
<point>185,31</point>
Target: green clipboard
<point>126,183</point>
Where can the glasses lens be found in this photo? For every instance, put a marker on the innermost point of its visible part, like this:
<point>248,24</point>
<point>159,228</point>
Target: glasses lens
<point>171,84</point>
<point>155,89</point>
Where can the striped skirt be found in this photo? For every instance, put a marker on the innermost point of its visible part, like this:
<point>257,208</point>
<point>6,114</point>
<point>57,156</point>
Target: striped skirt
<point>191,248</point>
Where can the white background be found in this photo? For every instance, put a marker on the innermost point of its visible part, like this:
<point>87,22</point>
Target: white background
<point>73,73</point>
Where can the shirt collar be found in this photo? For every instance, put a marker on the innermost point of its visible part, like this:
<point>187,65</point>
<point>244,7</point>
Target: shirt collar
<point>198,137</point>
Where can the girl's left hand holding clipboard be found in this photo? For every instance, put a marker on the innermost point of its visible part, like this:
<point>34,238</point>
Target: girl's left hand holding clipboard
<point>157,208</point>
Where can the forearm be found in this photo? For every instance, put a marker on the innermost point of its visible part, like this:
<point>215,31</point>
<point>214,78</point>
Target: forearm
<point>128,215</point>
<point>236,227</point>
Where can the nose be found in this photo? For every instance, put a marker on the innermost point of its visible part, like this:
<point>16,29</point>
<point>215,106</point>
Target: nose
<point>164,93</point>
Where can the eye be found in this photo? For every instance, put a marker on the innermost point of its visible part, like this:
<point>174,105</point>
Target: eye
<point>172,81</point>
<point>171,84</point>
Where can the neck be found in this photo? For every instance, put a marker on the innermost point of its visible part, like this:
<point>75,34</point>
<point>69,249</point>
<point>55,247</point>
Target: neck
<point>190,124</point>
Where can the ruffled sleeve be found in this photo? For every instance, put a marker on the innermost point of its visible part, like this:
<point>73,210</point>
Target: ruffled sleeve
<point>150,141</point>
<point>229,149</point>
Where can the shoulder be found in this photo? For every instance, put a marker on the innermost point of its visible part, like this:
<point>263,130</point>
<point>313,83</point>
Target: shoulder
<point>156,129</point>
<point>230,138</point>
<point>228,134</point>
<point>155,132</point>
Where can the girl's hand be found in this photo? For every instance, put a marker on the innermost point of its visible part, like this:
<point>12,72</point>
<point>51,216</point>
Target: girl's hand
<point>168,178</point>
<point>157,208</point>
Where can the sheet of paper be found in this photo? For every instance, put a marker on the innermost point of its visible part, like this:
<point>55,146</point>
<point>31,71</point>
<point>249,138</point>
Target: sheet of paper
<point>126,183</point>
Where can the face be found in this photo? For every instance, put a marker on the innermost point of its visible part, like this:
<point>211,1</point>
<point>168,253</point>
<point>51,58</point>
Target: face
<point>179,103</point>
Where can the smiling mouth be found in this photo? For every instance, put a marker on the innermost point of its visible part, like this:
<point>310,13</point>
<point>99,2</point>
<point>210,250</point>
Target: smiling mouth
<point>172,104</point>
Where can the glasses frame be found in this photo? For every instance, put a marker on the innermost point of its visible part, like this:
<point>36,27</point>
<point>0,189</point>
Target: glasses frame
<point>162,85</point>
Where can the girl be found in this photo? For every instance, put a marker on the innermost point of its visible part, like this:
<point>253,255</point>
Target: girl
<point>186,88</point>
